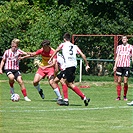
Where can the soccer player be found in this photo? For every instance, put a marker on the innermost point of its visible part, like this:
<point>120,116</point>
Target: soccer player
<point>60,65</point>
<point>45,69</point>
<point>69,52</point>
<point>10,61</point>
<point>122,66</point>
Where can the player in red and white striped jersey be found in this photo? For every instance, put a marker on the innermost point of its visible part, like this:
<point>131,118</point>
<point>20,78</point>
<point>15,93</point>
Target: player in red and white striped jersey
<point>10,61</point>
<point>122,66</point>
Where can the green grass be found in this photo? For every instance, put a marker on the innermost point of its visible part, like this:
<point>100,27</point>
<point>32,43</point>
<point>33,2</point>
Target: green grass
<point>103,115</point>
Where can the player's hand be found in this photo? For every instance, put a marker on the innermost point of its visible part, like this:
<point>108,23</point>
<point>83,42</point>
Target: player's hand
<point>114,69</point>
<point>50,61</point>
<point>87,68</point>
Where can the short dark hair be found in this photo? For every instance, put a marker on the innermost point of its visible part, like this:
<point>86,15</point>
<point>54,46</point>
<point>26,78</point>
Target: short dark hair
<point>67,36</point>
<point>45,42</point>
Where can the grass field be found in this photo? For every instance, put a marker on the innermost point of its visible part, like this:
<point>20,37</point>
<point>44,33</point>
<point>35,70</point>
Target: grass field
<point>103,115</point>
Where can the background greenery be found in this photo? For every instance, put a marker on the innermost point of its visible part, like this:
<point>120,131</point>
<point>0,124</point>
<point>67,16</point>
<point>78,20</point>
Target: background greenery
<point>35,20</point>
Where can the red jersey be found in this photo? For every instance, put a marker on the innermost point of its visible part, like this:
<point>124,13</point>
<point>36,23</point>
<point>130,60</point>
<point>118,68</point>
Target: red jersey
<point>45,55</point>
<point>11,58</point>
<point>124,52</point>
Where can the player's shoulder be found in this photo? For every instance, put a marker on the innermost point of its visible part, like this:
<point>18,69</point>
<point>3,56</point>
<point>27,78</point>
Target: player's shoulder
<point>52,49</point>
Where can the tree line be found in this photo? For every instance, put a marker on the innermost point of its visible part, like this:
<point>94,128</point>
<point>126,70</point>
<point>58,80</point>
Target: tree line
<point>32,21</point>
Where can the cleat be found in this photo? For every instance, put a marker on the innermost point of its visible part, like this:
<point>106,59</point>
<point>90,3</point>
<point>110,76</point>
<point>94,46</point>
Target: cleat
<point>41,94</point>
<point>125,99</point>
<point>86,101</point>
<point>60,102</point>
<point>66,103</point>
<point>118,98</point>
<point>130,104</point>
<point>27,99</point>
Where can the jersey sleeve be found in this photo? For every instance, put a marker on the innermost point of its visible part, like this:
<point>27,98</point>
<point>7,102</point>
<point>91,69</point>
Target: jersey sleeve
<point>5,54</point>
<point>78,49</point>
<point>21,52</point>
<point>39,51</point>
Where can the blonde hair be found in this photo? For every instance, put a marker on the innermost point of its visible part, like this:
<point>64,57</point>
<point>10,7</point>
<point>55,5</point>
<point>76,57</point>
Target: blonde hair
<point>16,41</point>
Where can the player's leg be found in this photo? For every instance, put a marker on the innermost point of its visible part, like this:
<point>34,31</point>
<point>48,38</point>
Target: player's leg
<point>53,84</point>
<point>126,76</point>
<point>18,78</point>
<point>61,77</point>
<point>119,73</point>
<point>37,79</point>
<point>11,80</point>
<point>70,77</point>
<point>64,89</point>
<point>40,74</point>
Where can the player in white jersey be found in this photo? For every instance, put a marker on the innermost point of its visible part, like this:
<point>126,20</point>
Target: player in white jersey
<point>10,61</point>
<point>122,66</point>
<point>60,77</point>
<point>69,52</point>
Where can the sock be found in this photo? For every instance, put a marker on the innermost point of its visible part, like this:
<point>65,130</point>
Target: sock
<point>78,92</point>
<point>125,89</point>
<point>11,90</point>
<point>58,88</point>
<point>38,87</point>
<point>118,87</point>
<point>65,91</point>
<point>24,92</point>
<point>57,93</point>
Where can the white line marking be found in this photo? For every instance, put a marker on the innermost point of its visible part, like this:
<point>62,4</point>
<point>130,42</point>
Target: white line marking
<point>64,109</point>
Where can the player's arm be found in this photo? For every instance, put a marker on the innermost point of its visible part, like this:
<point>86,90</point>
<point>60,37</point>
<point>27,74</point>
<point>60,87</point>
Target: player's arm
<point>84,58</point>
<point>53,62</point>
<point>28,55</point>
<point>55,52</point>
<point>1,65</point>
<point>116,60</point>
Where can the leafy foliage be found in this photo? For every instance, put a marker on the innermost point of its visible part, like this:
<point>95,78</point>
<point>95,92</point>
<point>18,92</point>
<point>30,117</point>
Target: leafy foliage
<point>33,21</point>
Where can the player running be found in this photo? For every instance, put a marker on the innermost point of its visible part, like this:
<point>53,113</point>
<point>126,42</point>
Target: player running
<point>69,52</point>
<point>10,61</point>
<point>45,69</point>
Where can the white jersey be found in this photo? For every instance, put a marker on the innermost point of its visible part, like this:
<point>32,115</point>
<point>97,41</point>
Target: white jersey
<point>60,61</point>
<point>11,58</point>
<point>69,52</point>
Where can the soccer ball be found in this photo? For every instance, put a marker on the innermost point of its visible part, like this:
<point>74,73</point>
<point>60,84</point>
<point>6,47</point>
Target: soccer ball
<point>15,97</point>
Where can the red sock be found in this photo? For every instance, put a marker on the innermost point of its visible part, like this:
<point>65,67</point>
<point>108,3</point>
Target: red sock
<point>11,84</point>
<point>125,89</point>
<point>118,87</point>
<point>24,92</point>
<point>65,91</point>
<point>78,92</point>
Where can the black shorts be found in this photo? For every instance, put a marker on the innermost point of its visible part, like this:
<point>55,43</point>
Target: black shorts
<point>123,71</point>
<point>16,73</point>
<point>61,75</point>
<point>70,74</point>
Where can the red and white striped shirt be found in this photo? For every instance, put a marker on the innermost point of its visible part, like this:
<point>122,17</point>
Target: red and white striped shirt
<point>11,58</point>
<point>124,52</point>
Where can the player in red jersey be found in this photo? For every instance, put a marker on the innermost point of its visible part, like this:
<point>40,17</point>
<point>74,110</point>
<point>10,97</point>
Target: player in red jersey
<point>45,70</point>
<point>122,66</point>
<point>10,61</point>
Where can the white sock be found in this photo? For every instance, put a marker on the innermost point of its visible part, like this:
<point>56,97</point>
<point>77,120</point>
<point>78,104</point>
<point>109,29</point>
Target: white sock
<point>11,90</point>
<point>38,87</point>
<point>57,93</point>
<point>65,99</point>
